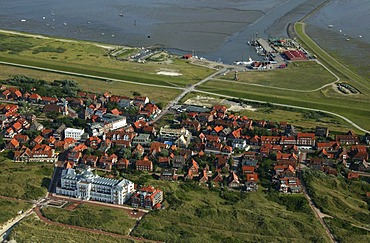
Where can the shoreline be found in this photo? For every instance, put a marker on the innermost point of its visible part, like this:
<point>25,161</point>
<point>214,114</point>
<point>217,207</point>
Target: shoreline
<point>39,36</point>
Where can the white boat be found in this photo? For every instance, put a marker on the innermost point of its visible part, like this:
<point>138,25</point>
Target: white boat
<point>249,62</point>
<point>23,20</point>
<point>330,26</point>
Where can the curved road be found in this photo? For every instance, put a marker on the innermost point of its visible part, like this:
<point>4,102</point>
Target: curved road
<point>287,89</point>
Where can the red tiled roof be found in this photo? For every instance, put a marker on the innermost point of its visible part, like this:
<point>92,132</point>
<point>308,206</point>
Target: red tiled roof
<point>17,126</point>
<point>306,135</point>
<point>252,177</point>
<point>115,111</point>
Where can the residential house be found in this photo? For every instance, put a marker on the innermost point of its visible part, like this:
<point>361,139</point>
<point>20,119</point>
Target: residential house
<point>144,165</point>
<point>169,174</point>
<point>44,154</point>
<point>251,182</point>
<point>52,108</point>
<point>106,162</point>
<point>90,160</point>
<point>306,140</point>
<point>143,139</point>
<point>239,144</point>
<point>194,167</point>
<point>233,180</point>
<point>163,161</point>
<point>147,197</point>
<point>13,144</point>
<point>348,139</point>
<point>22,139</point>
<point>322,132</point>
<point>123,163</point>
<point>178,161</point>
<point>203,178</point>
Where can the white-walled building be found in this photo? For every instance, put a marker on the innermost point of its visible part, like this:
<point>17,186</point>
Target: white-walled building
<point>73,133</point>
<point>88,186</point>
<point>113,122</point>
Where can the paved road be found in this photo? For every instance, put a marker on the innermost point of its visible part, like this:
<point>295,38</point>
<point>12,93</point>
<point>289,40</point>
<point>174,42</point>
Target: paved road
<point>5,230</point>
<point>185,91</point>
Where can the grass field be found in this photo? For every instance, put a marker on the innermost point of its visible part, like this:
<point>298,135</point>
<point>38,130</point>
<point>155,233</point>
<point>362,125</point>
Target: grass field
<point>93,85</point>
<point>24,180</point>
<point>298,119</point>
<point>10,208</point>
<point>92,59</point>
<point>352,107</point>
<point>94,217</point>
<point>358,81</point>
<point>345,201</point>
<point>194,214</point>
<point>32,229</point>
<point>300,76</point>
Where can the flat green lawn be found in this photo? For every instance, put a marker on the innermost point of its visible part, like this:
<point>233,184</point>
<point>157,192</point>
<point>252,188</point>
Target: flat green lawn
<point>90,58</point>
<point>94,217</point>
<point>32,229</point>
<point>195,214</point>
<point>24,180</point>
<point>10,208</point>
<point>299,76</point>
<point>345,201</point>
<point>163,95</point>
<point>355,108</point>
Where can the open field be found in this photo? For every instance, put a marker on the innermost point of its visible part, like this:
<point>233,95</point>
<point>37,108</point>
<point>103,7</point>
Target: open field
<point>92,58</point>
<point>24,180</point>
<point>299,119</point>
<point>353,107</point>
<point>358,81</point>
<point>300,76</point>
<point>10,208</point>
<point>93,85</point>
<point>94,217</point>
<point>303,119</point>
<point>345,201</point>
<point>201,215</point>
<point>32,229</point>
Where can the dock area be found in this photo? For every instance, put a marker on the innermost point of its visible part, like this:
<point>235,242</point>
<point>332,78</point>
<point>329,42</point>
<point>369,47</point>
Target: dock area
<point>265,45</point>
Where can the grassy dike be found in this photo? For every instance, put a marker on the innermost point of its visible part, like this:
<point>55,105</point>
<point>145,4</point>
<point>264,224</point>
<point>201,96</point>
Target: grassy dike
<point>360,82</point>
<point>92,59</point>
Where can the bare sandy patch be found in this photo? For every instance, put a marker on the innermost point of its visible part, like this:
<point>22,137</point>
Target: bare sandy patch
<point>169,73</point>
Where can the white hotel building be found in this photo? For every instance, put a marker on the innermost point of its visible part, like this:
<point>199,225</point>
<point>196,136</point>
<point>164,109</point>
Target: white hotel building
<point>88,186</point>
<point>73,133</point>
